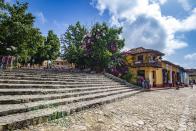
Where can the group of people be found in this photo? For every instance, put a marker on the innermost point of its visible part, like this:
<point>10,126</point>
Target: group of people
<point>144,83</point>
<point>6,61</point>
<point>192,83</point>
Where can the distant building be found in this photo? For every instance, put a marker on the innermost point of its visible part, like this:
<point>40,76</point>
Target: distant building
<point>148,65</point>
<point>59,62</point>
<point>173,73</point>
<point>192,75</point>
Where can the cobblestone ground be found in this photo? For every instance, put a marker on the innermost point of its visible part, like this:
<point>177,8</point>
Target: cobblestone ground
<point>161,110</point>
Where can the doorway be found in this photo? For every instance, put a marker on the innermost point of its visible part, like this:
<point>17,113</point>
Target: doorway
<point>141,73</point>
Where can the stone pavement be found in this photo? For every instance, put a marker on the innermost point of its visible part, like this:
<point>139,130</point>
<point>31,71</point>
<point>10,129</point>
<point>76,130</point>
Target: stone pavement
<point>160,110</point>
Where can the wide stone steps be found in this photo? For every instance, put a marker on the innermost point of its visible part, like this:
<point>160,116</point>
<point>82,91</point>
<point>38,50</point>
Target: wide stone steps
<point>51,79</point>
<point>28,91</point>
<point>61,77</point>
<point>8,85</point>
<point>51,82</point>
<point>49,74</point>
<point>80,76</point>
<point>16,99</point>
<point>18,108</point>
<point>19,120</point>
<point>30,97</point>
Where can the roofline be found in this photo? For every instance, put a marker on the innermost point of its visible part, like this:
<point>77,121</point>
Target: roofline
<point>147,51</point>
<point>168,62</point>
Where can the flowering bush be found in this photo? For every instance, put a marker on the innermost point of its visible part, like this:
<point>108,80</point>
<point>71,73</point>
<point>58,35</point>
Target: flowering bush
<point>119,68</point>
<point>112,47</point>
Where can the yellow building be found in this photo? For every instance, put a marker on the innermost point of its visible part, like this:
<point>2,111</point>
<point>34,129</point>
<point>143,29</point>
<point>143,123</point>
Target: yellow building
<point>171,73</point>
<point>145,63</point>
<point>148,64</point>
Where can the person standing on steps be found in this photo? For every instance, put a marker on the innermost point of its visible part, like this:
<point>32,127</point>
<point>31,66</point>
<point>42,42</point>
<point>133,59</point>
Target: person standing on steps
<point>49,64</point>
<point>147,81</point>
<point>1,63</point>
<point>143,82</point>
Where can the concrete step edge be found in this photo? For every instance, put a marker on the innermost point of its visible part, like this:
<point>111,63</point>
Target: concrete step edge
<point>23,91</point>
<point>43,115</point>
<point>16,99</point>
<point>25,107</point>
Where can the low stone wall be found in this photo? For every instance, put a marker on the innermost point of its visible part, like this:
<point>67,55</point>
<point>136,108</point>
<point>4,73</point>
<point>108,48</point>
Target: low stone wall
<point>120,80</point>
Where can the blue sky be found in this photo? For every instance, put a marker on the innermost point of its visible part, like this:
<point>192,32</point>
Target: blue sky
<point>165,25</point>
<point>58,15</point>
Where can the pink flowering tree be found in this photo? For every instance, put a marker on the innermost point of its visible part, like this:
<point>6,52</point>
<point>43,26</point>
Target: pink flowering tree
<point>97,48</point>
<point>100,44</point>
<point>91,48</point>
<point>118,67</point>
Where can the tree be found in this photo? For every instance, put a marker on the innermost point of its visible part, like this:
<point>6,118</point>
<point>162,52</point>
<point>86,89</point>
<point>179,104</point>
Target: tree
<point>39,54</point>
<point>52,46</point>
<point>92,48</point>
<point>72,41</point>
<point>100,44</point>
<point>18,37</point>
<point>48,49</point>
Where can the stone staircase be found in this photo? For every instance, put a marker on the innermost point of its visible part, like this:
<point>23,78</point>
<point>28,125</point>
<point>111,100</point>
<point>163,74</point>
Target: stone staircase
<point>29,97</point>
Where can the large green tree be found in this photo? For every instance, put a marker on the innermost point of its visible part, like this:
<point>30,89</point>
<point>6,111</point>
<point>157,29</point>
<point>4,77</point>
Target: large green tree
<point>72,41</point>
<point>48,49</point>
<point>101,43</point>
<point>52,46</point>
<point>18,37</point>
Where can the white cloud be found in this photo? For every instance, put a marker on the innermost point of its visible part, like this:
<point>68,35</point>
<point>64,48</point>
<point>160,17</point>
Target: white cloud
<point>145,25</point>
<point>191,57</point>
<point>41,17</point>
<point>163,1</point>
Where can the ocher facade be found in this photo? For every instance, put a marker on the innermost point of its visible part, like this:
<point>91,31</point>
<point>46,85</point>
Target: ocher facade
<point>148,63</point>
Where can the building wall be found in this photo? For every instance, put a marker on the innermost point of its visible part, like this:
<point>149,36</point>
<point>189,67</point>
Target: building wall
<point>176,74</point>
<point>157,81</point>
<point>146,56</point>
<point>186,78</point>
<point>171,71</point>
<point>129,59</point>
<point>159,76</point>
<point>57,63</point>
